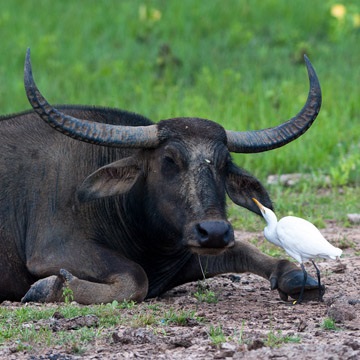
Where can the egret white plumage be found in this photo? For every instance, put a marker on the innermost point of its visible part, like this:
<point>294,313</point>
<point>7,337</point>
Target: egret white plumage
<point>300,239</point>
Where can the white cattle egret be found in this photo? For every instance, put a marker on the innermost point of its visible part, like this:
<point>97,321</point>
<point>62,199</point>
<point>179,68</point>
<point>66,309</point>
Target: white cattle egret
<point>300,239</point>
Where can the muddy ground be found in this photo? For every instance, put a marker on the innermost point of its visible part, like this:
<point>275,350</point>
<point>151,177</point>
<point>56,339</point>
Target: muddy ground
<point>254,322</point>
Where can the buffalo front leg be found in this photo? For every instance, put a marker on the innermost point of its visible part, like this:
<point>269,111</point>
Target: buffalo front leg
<point>88,281</point>
<point>58,288</point>
<point>118,287</point>
<point>283,275</point>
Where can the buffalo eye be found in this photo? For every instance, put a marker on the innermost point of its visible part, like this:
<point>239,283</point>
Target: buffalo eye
<point>169,166</point>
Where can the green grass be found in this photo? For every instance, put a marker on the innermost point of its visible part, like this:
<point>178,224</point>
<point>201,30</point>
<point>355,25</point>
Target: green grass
<point>179,318</point>
<point>240,65</point>
<point>216,335</point>
<point>276,339</point>
<point>22,326</point>
<point>29,327</point>
<point>329,324</point>
<point>314,204</point>
<point>206,295</point>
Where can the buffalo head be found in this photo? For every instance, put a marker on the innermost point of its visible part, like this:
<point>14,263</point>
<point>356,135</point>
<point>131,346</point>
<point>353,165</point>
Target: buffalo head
<point>181,168</point>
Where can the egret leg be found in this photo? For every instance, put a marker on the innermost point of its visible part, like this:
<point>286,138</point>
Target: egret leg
<point>319,282</point>
<point>299,300</point>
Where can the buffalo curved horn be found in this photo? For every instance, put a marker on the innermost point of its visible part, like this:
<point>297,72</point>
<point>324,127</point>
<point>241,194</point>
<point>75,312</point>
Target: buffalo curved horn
<point>85,130</point>
<point>272,138</point>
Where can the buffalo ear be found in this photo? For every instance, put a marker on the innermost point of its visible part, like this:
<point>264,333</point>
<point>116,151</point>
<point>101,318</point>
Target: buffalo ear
<point>242,187</point>
<point>114,179</point>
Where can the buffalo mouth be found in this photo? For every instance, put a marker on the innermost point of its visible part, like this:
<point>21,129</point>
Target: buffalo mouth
<point>208,251</point>
<point>210,237</point>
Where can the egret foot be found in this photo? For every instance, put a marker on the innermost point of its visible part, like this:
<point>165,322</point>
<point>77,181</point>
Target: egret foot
<point>300,298</point>
<point>321,293</point>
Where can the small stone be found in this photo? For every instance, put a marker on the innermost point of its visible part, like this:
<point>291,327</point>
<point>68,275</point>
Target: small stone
<point>341,312</point>
<point>354,218</point>
<point>228,346</point>
<point>256,344</point>
<point>293,179</point>
<point>302,326</point>
<point>355,345</point>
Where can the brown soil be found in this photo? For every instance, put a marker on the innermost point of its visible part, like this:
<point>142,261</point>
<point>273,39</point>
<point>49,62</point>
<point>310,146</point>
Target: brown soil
<point>255,322</point>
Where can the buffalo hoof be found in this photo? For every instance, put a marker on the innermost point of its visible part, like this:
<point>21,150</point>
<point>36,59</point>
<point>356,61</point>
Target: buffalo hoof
<point>66,275</point>
<point>290,284</point>
<point>45,290</point>
<point>288,280</point>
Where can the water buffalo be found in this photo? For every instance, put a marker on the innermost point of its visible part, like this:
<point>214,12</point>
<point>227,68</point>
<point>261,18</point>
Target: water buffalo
<point>123,208</point>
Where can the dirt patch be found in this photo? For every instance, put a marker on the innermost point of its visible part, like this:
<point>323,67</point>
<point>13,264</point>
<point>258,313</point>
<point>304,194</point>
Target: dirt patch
<point>251,321</point>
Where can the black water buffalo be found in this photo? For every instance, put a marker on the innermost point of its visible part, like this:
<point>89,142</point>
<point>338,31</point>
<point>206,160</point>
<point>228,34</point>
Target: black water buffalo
<point>132,209</point>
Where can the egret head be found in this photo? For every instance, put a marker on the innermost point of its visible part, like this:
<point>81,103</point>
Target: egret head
<point>261,207</point>
<point>267,213</point>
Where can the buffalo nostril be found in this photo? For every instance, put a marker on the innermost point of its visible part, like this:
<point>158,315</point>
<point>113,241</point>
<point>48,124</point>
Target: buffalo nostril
<point>202,232</point>
<point>214,234</point>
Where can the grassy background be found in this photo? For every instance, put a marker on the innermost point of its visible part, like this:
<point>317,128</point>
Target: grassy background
<point>239,63</point>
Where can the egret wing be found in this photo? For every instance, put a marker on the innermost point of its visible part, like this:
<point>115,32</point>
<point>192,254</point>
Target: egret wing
<point>301,239</point>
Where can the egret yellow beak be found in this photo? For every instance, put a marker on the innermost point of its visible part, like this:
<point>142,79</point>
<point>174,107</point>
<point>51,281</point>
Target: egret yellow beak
<point>258,204</point>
